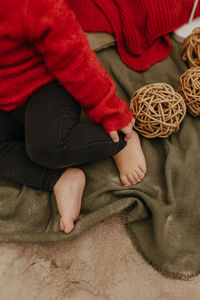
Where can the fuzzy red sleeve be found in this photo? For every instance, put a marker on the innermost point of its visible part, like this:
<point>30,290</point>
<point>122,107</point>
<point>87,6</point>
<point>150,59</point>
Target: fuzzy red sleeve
<point>55,32</point>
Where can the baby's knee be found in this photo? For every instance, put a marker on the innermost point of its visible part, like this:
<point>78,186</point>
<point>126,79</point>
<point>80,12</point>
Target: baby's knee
<point>47,155</point>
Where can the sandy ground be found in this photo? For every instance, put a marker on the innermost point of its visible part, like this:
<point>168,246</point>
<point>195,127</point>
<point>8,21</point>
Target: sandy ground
<point>100,264</point>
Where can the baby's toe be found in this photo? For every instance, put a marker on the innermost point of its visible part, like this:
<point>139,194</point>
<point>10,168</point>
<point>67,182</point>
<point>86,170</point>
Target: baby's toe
<point>136,177</point>
<point>124,180</point>
<point>66,224</point>
<point>61,224</point>
<point>132,179</point>
<point>143,169</point>
<point>140,173</point>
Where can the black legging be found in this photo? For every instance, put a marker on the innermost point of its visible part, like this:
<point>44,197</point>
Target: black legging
<point>41,139</point>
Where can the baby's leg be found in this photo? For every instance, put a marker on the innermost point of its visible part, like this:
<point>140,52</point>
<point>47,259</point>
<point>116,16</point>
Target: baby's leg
<point>55,139</point>
<point>68,192</point>
<point>130,161</point>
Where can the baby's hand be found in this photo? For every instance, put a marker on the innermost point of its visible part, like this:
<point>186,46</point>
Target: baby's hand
<point>128,130</point>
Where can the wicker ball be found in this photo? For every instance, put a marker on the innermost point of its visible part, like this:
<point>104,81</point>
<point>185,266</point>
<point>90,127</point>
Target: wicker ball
<point>158,110</point>
<point>191,48</point>
<point>189,88</point>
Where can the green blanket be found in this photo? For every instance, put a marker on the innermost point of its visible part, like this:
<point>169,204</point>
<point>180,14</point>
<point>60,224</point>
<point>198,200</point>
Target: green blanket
<point>161,214</point>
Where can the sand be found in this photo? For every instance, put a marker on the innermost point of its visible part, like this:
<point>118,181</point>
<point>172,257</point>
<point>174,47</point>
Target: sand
<point>100,264</point>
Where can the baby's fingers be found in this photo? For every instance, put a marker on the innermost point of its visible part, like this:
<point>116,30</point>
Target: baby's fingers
<point>133,121</point>
<point>128,130</point>
<point>114,136</point>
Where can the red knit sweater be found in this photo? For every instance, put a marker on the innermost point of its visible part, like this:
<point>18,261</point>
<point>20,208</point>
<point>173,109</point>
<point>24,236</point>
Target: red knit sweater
<point>140,26</point>
<point>42,40</point>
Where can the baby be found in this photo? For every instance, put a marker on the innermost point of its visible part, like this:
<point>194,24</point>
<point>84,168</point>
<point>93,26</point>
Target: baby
<point>47,74</point>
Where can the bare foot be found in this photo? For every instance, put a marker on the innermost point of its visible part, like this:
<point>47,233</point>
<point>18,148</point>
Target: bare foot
<point>131,162</point>
<point>68,192</point>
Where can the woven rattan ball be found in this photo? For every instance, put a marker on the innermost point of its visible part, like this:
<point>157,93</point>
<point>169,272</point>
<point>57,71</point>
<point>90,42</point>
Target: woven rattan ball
<point>191,48</point>
<point>189,88</point>
<point>158,110</point>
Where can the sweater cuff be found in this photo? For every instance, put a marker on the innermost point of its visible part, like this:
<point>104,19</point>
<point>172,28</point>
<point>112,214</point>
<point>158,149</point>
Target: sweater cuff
<point>113,123</point>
